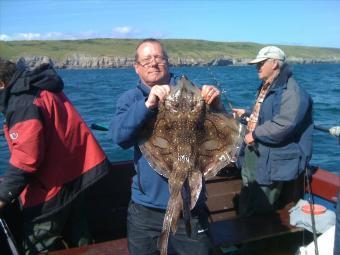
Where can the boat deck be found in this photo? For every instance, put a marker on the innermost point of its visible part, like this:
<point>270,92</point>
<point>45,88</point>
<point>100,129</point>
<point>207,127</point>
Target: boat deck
<point>226,228</point>
<point>109,198</point>
<point>114,247</point>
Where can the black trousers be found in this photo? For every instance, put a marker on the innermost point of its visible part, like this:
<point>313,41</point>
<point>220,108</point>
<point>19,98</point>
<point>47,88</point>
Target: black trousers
<point>64,229</point>
<point>144,226</point>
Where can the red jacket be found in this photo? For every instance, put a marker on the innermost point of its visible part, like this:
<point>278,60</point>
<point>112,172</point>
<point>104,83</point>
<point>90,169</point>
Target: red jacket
<point>54,155</point>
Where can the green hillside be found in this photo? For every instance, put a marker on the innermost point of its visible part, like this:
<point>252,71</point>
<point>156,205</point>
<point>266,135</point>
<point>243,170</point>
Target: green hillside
<point>196,49</point>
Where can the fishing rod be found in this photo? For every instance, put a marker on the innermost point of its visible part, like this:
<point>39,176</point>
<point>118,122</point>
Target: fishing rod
<point>9,237</point>
<point>311,207</point>
<point>334,131</point>
<point>95,126</point>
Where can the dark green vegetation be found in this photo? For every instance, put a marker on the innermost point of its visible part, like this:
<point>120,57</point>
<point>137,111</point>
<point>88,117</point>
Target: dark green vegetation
<point>188,49</point>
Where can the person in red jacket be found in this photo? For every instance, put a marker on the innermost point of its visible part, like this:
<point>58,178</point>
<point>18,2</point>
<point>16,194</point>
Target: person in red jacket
<point>53,157</point>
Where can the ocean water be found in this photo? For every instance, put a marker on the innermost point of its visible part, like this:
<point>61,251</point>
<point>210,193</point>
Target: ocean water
<point>94,94</point>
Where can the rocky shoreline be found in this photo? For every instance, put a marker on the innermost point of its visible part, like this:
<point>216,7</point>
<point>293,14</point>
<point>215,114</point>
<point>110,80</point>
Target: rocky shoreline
<point>93,62</point>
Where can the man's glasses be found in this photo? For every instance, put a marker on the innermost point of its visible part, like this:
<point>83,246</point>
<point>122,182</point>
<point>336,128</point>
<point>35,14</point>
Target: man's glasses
<point>260,64</point>
<point>148,62</point>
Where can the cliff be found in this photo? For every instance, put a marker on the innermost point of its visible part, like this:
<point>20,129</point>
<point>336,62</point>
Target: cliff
<point>90,62</point>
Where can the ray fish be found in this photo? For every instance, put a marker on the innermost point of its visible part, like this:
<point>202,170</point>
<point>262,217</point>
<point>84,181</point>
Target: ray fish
<point>188,142</point>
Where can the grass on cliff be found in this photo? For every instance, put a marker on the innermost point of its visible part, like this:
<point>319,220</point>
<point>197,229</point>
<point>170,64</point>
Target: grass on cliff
<point>196,49</point>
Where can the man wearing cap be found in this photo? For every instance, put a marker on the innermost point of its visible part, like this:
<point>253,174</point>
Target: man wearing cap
<point>278,144</point>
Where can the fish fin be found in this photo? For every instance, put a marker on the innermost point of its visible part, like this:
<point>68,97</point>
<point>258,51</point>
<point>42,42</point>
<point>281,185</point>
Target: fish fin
<point>221,135</point>
<point>156,146</point>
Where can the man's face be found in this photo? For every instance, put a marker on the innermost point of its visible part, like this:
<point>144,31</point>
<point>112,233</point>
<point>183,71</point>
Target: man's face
<point>152,65</point>
<point>265,69</point>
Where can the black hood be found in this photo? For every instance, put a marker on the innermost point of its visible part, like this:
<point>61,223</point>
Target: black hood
<point>3,98</point>
<point>43,77</point>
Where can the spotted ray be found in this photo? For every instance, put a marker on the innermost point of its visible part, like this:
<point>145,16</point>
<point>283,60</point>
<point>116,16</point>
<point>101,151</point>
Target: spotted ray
<point>187,142</point>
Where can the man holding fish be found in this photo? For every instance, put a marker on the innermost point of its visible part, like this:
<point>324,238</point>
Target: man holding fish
<point>150,190</point>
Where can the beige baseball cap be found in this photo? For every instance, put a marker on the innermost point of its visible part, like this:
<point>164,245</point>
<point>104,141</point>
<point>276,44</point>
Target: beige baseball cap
<point>267,52</point>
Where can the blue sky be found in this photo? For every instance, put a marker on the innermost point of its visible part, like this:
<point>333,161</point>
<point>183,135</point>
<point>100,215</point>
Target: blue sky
<point>309,23</point>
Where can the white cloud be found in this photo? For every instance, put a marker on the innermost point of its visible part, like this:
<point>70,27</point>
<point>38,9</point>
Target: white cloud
<point>46,36</point>
<point>4,37</point>
<point>124,32</point>
<point>116,32</point>
<point>53,35</point>
<point>29,36</point>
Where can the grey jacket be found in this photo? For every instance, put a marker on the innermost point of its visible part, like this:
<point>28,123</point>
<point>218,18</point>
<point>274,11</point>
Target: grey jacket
<point>283,134</point>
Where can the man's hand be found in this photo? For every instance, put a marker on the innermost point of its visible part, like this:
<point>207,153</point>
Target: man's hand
<point>157,94</point>
<point>211,94</point>
<point>249,139</point>
<point>238,112</point>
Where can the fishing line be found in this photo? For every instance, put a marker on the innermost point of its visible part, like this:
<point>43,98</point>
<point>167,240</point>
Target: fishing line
<point>219,86</point>
<point>242,128</point>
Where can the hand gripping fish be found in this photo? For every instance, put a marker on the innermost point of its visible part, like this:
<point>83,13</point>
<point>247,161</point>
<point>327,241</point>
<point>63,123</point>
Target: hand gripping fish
<point>187,142</point>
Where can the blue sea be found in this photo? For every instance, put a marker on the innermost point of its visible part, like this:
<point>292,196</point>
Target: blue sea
<point>95,92</point>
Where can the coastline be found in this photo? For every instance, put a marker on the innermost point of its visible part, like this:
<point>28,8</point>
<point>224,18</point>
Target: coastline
<point>119,53</point>
<point>103,62</point>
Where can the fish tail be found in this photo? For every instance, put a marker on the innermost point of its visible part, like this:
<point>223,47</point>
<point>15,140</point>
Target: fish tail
<point>170,222</point>
<point>173,210</point>
<point>163,242</point>
<point>164,238</point>
<point>176,214</point>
